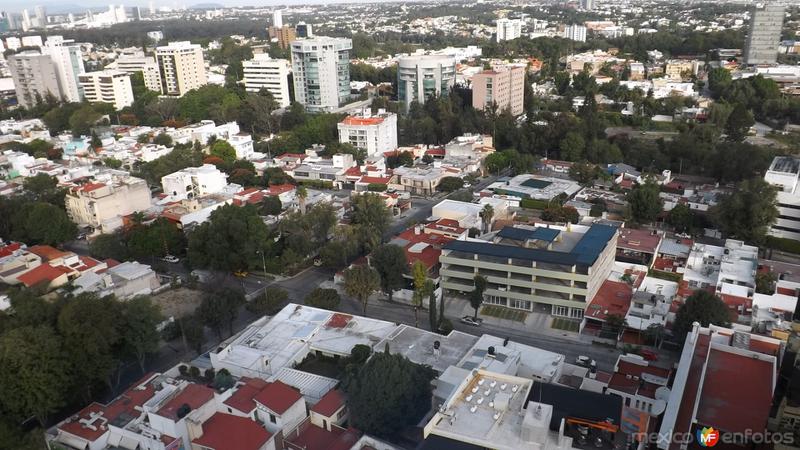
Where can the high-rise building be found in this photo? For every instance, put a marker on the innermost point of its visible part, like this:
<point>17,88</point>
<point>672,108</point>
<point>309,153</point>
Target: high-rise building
<point>277,18</point>
<point>321,70</point>
<point>304,30</point>
<point>575,32</point>
<point>13,43</point>
<point>41,16</point>
<point>282,35</point>
<point>508,29</point>
<point>181,67</point>
<point>139,63</point>
<point>764,36</point>
<point>69,62</point>
<point>137,13</point>
<point>26,20</point>
<point>108,86</point>
<point>152,7</point>
<point>35,77</point>
<point>421,77</point>
<point>587,5</point>
<point>263,72</point>
<point>375,133</point>
<point>5,21</point>
<point>503,87</point>
<point>784,173</point>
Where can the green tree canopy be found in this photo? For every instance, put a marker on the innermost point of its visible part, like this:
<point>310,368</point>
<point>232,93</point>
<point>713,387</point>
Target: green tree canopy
<point>361,282</point>
<point>390,262</point>
<point>229,239</point>
<point>748,212</point>
<point>323,298</point>
<point>644,204</point>
<point>269,303</point>
<point>220,309</point>
<point>703,307</point>
<point>224,150</point>
<point>372,217</point>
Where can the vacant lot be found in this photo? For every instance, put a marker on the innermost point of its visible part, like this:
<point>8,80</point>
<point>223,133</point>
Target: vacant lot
<point>178,302</point>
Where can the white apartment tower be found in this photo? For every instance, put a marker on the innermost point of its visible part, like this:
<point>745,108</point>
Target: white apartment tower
<point>68,60</point>
<point>321,69</point>
<point>508,29</point>
<point>375,133</point>
<point>764,35</point>
<point>35,76</point>
<point>181,68</point>
<point>277,18</point>
<point>108,86</point>
<point>421,77</point>
<point>575,32</point>
<point>263,72</point>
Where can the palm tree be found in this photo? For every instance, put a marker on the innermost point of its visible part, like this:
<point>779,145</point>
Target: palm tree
<point>486,215</point>
<point>302,195</point>
<point>476,296</point>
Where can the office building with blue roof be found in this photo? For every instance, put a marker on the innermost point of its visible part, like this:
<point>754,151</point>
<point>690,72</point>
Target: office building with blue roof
<point>554,268</point>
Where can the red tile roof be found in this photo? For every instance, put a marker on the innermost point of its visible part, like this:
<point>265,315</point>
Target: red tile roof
<point>42,273</point>
<point>227,432</point>
<point>311,437</point>
<point>9,249</point>
<point>438,151</point>
<point>628,378</point>
<point>89,187</point>
<point>353,120</point>
<point>121,408</point>
<point>725,403</point>
<point>47,252</point>
<point>638,240</point>
<point>329,403</point>
<point>375,180</point>
<point>354,171</point>
<point>194,395</point>
<point>613,297</point>
<point>278,189</point>
<point>242,399</point>
<point>339,320</point>
<point>278,396</point>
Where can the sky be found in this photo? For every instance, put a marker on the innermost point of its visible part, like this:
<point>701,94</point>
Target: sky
<point>58,7</point>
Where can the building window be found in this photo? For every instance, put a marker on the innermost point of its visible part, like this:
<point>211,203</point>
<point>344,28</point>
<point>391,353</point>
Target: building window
<point>273,419</point>
<point>576,313</point>
<point>560,311</point>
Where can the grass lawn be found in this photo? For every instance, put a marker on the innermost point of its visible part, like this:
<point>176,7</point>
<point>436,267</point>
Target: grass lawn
<point>504,313</point>
<point>560,323</point>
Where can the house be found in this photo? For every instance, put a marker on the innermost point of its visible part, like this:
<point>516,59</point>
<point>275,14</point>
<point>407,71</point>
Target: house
<point>330,411</point>
<point>194,182</point>
<point>102,204</point>
<point>228,432</point>
<point>638,383</point>
<point>638,246</point>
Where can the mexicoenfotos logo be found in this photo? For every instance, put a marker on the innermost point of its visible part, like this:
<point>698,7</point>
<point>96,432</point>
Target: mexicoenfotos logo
<point>708,437</point>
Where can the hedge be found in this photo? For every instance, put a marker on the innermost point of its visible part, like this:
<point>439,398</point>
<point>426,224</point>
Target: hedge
<point>669,276</point>
<point>783,244</point>
<point>532,203</point>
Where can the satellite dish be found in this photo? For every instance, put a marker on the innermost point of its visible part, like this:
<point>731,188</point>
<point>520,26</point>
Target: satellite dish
<point>658,407</point>
<point>662,393</point>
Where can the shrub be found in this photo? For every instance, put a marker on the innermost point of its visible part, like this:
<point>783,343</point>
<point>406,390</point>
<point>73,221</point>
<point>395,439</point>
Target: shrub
<point>376,187</point>
<point>532,203</point>
<point>209,374</point>
<point>194,372</point>
<point>183,369</point>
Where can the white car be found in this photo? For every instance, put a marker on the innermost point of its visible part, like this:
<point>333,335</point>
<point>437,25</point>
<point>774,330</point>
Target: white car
<point>170,259</point>
<point>469,320</point>
<point>585,361</point>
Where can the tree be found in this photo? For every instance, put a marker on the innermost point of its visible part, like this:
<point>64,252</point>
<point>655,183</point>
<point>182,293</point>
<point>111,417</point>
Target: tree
<point>572,147</point>
<point>42,223</point>
<point>36,373</point>
<point>680,218</point>
<point>108,246</point>
<point>139,318</point>
<point>83,119</point>
<point>703,307</point>
<point>271,206</point>
<point>749,211</point>
<point>433,318</point>
<point>361,282</point>
<point>323,298</point>
<point>739,122</point>
<point>222,149</point>
<point>192,333</point>
<point>421,286</point>
<point>220,308</point>
<point>90,348</point>
<point>644,204</point>
<point>583,172</point>
<point>765,282</point>
<point>719,79</point>
<point>388,393</point>
<point>163,139</point>
<point>476,295</point>
<point>302,194</point>
<point>372,217</point>
<point>615,323</point>
<point>95,142</point>
<point>229,240</point>
<point>495,162</point>
<point>270,303</point>
<point>44,188</point>
<point>450,184</point>
<point>389,261</point>
<point>486,214</point>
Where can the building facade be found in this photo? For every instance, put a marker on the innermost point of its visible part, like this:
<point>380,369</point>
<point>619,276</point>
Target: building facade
<point>556,268</point>
<point>101,205</point>
<point>508,29</point>
<point>784,173</point>
<point>108,86</point>
<point>181,68</point>
<point>194,182</point>
<point>263,72</point>
<point>283,35</point>
<point>35,77</point>
<point>69,65</point>
<point>321,69</point>
<point>503,87</point>
<point>575,32</point>
<point>423,76</point>
<point>144,64</point>
<point>376,133</point>
<point>763,38</point>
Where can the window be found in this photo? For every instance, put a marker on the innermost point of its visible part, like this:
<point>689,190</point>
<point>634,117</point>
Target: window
<point>576,313</point>
<point>560,311</point>
<point>272,418</point>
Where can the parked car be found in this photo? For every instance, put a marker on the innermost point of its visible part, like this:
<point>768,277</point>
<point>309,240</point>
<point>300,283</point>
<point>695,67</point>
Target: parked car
<point>649,355</point>
<point>241,273</point>
<point>469,320</point>
<point>585,361</point>
<point>171,259</point>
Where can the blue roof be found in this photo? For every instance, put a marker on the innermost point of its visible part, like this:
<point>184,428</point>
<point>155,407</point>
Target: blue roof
<point>523,234</point>
<point>585,251</point>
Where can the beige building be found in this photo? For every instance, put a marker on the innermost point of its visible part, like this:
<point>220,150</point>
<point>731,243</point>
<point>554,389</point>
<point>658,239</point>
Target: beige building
<point>284,35</point>
<point>108,86</point>
<point>139,63</point>
<point>679,70</point>
<point>559,268</point>
<point>101,205</point>
<point>181,68</point>
<point>503,87</point>
<point>35,77</point>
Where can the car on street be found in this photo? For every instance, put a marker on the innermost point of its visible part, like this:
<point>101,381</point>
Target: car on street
<point>649,355</point>
<point>469,320</point>
<point>585,361</point>
<point>171,259</point>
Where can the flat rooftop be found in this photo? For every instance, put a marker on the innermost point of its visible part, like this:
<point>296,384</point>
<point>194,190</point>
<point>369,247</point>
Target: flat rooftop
<point>418,346</point>
<point>535,186</point>
<point>785,164</point>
